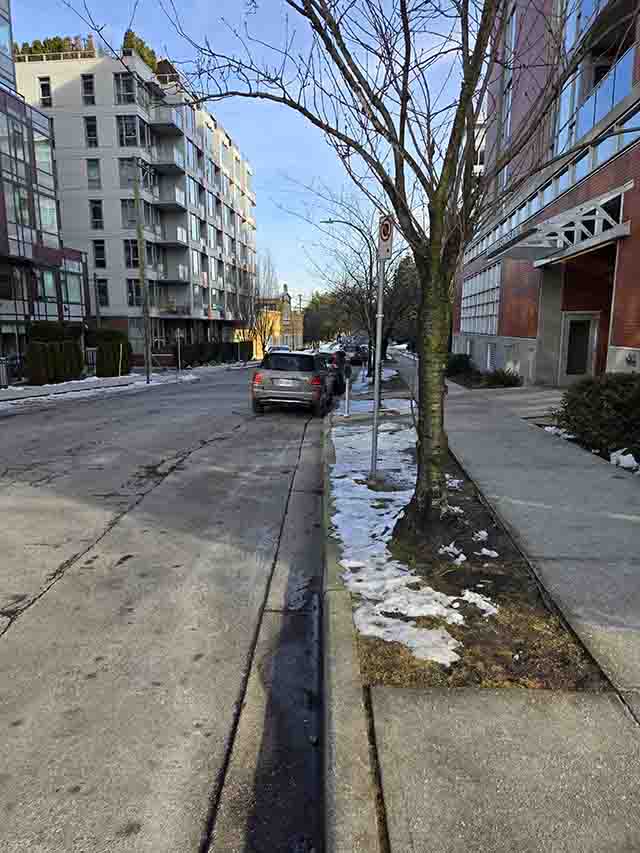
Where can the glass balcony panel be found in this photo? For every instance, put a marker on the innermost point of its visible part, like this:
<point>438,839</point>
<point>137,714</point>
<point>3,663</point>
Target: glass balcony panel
<point>623,76</point>
<point>604,97</point>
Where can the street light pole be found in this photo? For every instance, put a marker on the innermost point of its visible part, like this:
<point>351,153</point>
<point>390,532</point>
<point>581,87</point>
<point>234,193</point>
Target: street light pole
<point>139,165</point>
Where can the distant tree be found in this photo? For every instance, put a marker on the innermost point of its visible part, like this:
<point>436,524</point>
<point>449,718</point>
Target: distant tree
<point>37,46</point>
<point>57,44</point>
<point>324,319</point>
<point>266,294</point>
<point>77,42</point>
<point>26,47</point>
<point>133,41</point>
<point>16,48</point>
<point>67,44</point>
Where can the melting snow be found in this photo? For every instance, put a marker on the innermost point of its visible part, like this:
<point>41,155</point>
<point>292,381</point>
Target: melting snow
<point>453,483</point>
<point>480,536</point>
<point>561,433</point>
<point>452,550</point>
<point>364,519</point>
<point>486,552</point>
<point>625,460</point>
<point>427,644</point>
<point>481,601</point>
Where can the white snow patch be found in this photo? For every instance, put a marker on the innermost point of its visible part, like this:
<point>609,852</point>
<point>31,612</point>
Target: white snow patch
<point>460,559</point>
<point>453,510</point>
<point>483,603</point>
<point>426,644</point>
<point>364,519</point>
<point>480,536</point>
<point>451,549</point>
<point>623,459</point>
<point>486,552</point>
<point>561,433</point>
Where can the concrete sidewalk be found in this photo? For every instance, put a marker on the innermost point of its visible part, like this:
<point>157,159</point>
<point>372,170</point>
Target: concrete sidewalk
<point>576,517</point>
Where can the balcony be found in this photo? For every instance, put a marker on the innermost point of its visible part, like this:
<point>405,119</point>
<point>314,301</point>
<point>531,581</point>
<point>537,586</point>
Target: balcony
<point>613,88</point>
<point>176,237</point>
<point>170,308</point>
<point>179,274</point>
<point>174,199</point>
<point>168,161</point>
<point>167,120</point>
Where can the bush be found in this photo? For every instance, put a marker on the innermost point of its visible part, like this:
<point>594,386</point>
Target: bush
<point>603,413</point>
<point>53,361</point>
<point>458,363</point>
<point>113,356</point>
<point>502,379</point>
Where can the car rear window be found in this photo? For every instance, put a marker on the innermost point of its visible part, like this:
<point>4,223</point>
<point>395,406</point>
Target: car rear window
<point>286,361</point>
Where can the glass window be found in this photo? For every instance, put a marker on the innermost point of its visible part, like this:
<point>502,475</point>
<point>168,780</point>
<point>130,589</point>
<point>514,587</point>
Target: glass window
<point>194,227</point>
<point>44,154</point>
<point>632,125</point>
<point>48,214</point>
<point>128,213</point>
<point>604,97</point>
<point>91,131</point>
<point>125,88</point>
<point>195,262</point>
<point>93,175</point>
<point>88,90</point>
<point>127,131</point>
<point>44,84</point>
<point>99,254</point>
<point>49,284</point>
<point>131,258</point>
<point>102,287</point>
<point>73,288</point>
<point>95,214</point>
<point>623,76</point>
<point>127,170</point>
<point>134,293</point>
<point>606,149</point>
<point>5,37</point>
<point>563,181</point>
<point>582,167</point>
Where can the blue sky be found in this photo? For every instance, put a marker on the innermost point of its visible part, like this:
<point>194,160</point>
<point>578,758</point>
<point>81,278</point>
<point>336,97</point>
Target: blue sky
<point>281,146</point>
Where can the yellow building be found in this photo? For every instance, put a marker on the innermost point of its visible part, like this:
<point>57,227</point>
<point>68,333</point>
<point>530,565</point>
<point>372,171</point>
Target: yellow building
<point>278,324</point>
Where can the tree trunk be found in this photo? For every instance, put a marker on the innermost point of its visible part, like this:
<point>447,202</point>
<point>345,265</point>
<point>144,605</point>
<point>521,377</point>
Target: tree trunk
<point>431,347</point>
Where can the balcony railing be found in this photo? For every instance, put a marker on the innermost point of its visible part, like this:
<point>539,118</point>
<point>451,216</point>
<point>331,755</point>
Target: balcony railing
<point>168,116</point>
<point>172,308</point>
<point>613,88</point>
<point>171,156</point>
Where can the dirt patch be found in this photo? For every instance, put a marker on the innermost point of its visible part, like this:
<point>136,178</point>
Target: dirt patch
<point>525,644</point>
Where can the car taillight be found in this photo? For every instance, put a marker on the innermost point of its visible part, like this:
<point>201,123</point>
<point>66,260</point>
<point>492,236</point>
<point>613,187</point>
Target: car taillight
<point>257,379</point>
<point>315,380</point>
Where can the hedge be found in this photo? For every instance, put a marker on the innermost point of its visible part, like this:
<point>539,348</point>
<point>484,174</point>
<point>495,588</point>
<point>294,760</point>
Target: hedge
<point>603,413</point>
<point>54,361</point>
<point>219,351</point>
<point>458,363</point>
<point>113,356</point>
<point>502,379</point>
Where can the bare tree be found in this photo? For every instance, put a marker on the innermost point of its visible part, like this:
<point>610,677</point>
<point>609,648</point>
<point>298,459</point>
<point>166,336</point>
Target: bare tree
<point>265,301</point>
<point>397,87</point>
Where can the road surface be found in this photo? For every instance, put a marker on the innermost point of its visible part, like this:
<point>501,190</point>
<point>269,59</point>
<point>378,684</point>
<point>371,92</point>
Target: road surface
<point>161,558</point>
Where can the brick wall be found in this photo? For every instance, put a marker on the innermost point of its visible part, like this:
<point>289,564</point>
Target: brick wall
<point>588,286</point>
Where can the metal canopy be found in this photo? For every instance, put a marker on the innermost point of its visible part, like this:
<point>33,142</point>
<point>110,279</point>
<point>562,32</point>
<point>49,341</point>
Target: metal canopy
<point>582,228</point>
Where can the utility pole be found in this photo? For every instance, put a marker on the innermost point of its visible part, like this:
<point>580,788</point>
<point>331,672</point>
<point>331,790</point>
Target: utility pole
<point>385,243</point>
<point>95,293</point>
<point>142,257</point>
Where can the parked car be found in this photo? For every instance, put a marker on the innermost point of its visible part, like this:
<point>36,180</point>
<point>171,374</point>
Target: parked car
<point>291,378</point>
<point>338,361</point>
<point>359,355</point>
<point>279,349</point>
<point>325,359</point>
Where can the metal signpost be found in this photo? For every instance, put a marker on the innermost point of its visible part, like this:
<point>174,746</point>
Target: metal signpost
<point>139,165</point>
<point>385,245</point>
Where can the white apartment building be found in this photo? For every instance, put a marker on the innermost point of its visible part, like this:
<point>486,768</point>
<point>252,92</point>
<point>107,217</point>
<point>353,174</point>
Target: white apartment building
<point>110,117</point>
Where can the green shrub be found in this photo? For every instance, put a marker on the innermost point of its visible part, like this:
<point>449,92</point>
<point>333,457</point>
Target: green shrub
<point>49,362</point>
<point>502,379</point>
<point>458,363</point>
<point>603,413</point>
<point>113,353</point>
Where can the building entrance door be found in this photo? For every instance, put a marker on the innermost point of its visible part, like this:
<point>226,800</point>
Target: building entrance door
<point>579,345</point>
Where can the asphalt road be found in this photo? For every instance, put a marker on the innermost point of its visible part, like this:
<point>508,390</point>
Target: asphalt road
<point>159,652</point>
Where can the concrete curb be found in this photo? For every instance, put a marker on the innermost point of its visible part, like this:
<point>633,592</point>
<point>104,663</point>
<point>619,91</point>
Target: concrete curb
<point>351,823</point>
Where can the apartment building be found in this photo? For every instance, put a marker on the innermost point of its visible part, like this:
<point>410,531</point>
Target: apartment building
<point>40,279</point>
<point>113,117</point>
<point>549,284</point>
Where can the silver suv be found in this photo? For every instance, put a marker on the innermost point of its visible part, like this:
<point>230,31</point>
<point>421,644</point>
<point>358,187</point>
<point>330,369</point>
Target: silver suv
<point>291,378</point>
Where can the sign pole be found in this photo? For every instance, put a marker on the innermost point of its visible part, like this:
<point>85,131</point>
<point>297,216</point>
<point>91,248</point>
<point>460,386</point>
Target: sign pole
<point>385,242</point>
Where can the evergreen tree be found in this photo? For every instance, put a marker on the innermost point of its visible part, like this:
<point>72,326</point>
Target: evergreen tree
<point>37,46</point>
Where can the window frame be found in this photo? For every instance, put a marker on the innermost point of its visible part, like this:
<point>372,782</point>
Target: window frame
<point>45,101</point>
<point>93,219</point>
<point>88,98</point>
<point>93,183</point>
<point>99,263</point>
<point>91,141</point>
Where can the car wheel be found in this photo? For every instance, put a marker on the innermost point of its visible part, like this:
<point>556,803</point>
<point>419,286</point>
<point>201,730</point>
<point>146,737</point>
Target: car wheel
<point>257,407</point>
